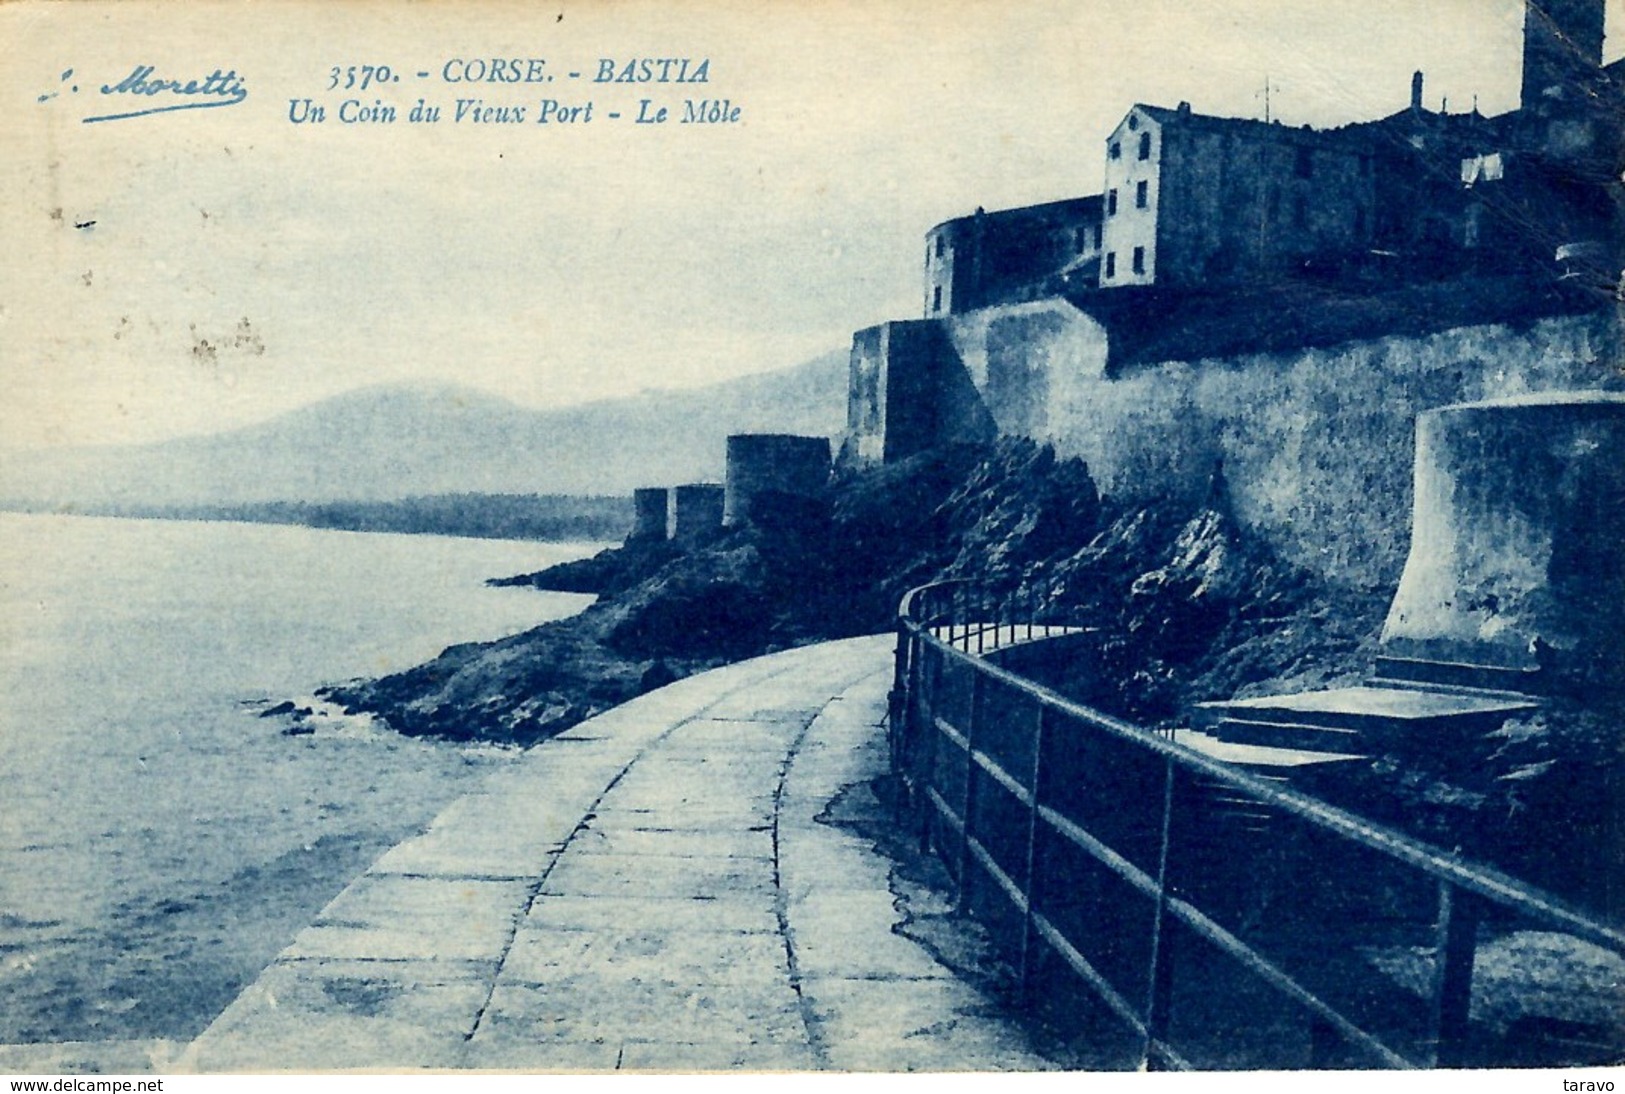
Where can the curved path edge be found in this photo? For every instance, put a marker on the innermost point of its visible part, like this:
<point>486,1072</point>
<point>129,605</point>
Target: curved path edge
<point>649,890</point>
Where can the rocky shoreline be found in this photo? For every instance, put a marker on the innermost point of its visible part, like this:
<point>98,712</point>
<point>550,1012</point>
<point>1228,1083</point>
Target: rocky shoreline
<point>1188,606</point>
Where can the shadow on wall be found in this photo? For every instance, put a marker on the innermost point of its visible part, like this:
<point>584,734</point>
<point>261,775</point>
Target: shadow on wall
<point>1316,443</point>
<point>909,391</point>
<point>1315,440</point>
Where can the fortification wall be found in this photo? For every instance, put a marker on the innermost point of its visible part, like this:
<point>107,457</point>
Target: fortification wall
<point>1519,560</point>
<point>1315,445</point>
<point>696,511</point>
<point>649,513</point>
<point>764,463</point>
<point>907,391</point>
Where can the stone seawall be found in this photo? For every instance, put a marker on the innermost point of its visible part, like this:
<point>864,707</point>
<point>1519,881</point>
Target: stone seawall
<point>1315,445</point>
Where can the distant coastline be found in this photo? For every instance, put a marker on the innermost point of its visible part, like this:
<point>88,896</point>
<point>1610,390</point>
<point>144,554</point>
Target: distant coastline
<point>543,517</point>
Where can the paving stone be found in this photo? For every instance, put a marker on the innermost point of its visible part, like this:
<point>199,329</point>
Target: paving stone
<point>710,783</point>
<point>382,916</point>
<point>863,748</point>
<point>652,952</point>
<point>657,876</point>
<point>454,853</point>
<point>634,842</point>
<point>709,736</point>
<point>716,1056</point>
<point>869,692</point>
<point>784,697</point>
<point>408,972</point>
<point>740,912</point>
<point>305,1018</point>
<point>613,819</point>
<point>649,716</point>
<point>817,859</point>
<point>508,1054</point>
<point>930,1025</point>
<point>530,821</point>
<point>687,815</point>
<point>849,935</point>
<point>594,1009</point>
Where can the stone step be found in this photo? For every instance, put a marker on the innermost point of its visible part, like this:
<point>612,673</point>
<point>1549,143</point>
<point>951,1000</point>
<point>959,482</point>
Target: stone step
<point>1276,765</point>
<point>1376,712</point>
<point>1238,808</point>
<point>1295,735</point>
<point>1455,674</point>
<point>1445,689</point>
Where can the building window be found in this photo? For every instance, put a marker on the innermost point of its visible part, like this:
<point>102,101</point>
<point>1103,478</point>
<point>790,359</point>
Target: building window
<point>1111,203</point>
<point>1100,230</point>
<point>1300,212</point>
<point>1304,165</point>
<point>1139,260</point>
<point>1145,146</point>
<point>1142,194</point>
<point>936,299</point>
<point>1111,264</point>
<point>939,246</point>
<point>1116,150</point>
<point>1134,121</point>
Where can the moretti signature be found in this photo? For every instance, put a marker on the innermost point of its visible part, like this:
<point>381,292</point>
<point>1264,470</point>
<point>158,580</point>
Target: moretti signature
<point>155,95</point>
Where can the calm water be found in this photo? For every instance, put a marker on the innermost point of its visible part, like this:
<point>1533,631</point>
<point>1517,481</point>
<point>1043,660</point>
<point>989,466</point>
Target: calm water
<point>160,842</point>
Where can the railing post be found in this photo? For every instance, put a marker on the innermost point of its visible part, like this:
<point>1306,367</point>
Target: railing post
<point>1159,993</point>
<point>1031,881</point>
<point>1455,943</point>
<point>928,685</point>
<point>967,812</point>
<point>912,736</point>
<point>899,699</point>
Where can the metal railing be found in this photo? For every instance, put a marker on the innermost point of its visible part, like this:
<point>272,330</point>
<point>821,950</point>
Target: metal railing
<point>1222,918</point>
<point>976,620</point>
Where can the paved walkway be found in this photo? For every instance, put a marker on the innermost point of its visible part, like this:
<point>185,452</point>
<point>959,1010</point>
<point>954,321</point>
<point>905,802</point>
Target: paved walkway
<point>650,890</point>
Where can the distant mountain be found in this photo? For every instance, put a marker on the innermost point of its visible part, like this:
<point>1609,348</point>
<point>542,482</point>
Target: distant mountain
<point>391,442</point>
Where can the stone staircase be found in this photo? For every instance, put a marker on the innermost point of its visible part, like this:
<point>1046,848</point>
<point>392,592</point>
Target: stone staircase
<point>1280,737</point>
<point>1354,721</point>
<point>1454,676</point>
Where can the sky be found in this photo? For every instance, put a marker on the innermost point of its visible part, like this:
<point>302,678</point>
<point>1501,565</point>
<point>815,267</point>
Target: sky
<point>194,270</point>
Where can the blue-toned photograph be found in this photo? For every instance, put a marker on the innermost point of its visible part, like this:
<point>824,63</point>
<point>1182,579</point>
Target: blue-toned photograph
<point>1002,537</point>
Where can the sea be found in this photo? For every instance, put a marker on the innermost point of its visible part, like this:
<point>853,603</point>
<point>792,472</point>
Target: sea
<point>160,841</point>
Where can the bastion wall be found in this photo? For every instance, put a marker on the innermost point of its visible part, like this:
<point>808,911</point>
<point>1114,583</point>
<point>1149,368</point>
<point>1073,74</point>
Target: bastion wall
<point>1314,445</point>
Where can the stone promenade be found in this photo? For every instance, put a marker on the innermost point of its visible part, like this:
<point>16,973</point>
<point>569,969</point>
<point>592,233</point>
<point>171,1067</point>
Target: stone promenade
<point>650,890</point>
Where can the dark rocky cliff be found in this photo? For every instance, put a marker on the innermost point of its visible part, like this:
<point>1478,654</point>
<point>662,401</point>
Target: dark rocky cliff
<point>1188,603</point>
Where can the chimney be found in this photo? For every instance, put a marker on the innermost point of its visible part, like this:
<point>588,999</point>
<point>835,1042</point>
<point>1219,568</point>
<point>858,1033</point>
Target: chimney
<point>1416,91</point>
